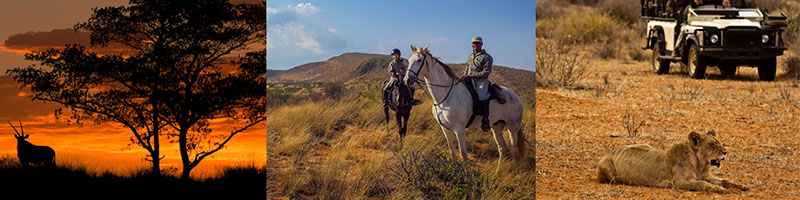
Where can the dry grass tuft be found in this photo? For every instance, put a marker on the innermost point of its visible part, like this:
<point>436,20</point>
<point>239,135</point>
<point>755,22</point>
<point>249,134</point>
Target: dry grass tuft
<point>692,91</point>
<point>631,124</point>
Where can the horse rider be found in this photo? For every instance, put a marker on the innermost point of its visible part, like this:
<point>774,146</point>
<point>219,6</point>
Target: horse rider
<point>479,66</point>
<point>397,68</point>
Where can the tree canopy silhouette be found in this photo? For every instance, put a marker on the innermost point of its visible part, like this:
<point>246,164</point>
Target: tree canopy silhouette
<point>171,82</point>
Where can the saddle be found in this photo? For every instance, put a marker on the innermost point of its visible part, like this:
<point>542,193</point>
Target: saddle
<point>494,93</point>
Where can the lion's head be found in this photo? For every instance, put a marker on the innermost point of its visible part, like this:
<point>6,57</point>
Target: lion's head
<point>708,147</point>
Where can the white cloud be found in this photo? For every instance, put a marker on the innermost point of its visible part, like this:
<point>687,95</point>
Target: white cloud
<point>297,32</point>
<point>305,8</point>
<point>290,35</point>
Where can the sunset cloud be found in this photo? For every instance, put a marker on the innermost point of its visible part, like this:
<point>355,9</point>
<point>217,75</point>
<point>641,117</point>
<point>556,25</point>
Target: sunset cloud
<point>246,1</point>
<point>57,38</point>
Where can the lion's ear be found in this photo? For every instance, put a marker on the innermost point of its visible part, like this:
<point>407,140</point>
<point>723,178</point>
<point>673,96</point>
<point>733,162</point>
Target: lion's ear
<point>695,137</point>
<point>712,133</point>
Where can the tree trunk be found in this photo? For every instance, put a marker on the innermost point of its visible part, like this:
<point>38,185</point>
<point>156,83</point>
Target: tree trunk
<point>156,162</point>
<point>187,165</point>
<point>155,154</point>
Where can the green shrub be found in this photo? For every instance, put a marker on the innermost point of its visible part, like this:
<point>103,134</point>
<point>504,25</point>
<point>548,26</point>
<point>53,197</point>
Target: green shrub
<point>437,176</point>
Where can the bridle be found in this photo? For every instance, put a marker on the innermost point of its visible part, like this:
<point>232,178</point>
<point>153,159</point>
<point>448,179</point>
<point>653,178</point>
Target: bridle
<point>453,81</point>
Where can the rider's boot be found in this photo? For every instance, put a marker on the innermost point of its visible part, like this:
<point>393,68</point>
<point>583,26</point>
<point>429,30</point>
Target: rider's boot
<point>414,101</point>
<point>484,109</point>
<point>384,95</point>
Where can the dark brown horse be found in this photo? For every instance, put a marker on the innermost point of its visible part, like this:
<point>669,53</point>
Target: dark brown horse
<point>398,98</point>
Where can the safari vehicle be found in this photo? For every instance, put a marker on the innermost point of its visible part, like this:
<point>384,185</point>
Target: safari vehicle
<point>713,36</point>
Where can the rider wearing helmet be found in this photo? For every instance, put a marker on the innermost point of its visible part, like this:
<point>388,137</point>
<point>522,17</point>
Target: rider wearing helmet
<point>397,68</point>
<point>479,66</point>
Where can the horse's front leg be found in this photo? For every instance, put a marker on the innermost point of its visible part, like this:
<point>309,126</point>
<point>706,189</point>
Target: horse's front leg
<point>399,119</point>
<point>386,114</point>
<point>406,115</point>
<point>461,136</point>
<point>449,137</point>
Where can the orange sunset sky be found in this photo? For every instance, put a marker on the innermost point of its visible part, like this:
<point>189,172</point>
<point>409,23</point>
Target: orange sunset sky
<point>37,24</point>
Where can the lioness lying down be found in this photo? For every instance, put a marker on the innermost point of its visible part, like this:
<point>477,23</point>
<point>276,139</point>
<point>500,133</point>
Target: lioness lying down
<point>684,165</point>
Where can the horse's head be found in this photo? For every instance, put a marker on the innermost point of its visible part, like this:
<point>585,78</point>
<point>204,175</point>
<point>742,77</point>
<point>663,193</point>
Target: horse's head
<point>417,64</point>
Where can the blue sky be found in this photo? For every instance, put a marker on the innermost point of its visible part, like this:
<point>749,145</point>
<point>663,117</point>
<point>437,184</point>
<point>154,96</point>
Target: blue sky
<point>300,32</point>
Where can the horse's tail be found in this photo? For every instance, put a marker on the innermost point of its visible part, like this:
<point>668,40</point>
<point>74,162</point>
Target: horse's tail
<point>522,144</point>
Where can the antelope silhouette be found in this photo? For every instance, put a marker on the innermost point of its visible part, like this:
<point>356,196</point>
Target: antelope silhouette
<point>29,153</point>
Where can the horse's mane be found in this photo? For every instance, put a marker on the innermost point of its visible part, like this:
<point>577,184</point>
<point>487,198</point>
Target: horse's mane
<point>446,68</point>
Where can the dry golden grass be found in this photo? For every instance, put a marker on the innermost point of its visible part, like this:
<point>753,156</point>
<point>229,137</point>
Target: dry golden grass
<point>341,150</point>
<point>756,123</point>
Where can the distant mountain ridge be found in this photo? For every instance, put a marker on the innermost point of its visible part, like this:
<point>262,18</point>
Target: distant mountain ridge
<point>374,68</point>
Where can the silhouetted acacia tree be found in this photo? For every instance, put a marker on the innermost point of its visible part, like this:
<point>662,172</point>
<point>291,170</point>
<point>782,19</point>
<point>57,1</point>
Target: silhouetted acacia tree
<point>172,76</point>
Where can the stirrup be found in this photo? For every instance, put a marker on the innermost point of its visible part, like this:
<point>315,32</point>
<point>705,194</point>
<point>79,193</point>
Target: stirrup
<point>485,127</point>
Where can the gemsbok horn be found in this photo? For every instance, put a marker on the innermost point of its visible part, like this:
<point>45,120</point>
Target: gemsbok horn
<point>29,153</point>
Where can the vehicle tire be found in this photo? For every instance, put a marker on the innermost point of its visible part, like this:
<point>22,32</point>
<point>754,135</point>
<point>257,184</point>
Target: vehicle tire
<point>727,70</point>
<point>659,66</point>
<point>766,69</point>
<point>697,63</point>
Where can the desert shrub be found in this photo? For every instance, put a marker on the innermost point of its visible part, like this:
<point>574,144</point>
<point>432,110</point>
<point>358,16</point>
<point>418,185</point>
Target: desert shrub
<point>770,5</point>
<point>334,90</point>
<point>637,54</point>
<point>557,65</point>
<point>549,9</point>
<point>585,28</point>
<point>437,176</point>
<point>631,124</point>
<point>607,48</point>
<point>784,92</point>
<point>792,67</point>
<point>277,96</point>
<point>692,92</point>
<point>627,11</point>
<point>584,2</point>
<point>546,28</point>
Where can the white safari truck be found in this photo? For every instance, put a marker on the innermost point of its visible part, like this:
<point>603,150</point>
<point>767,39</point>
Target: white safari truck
<point>713,36</point>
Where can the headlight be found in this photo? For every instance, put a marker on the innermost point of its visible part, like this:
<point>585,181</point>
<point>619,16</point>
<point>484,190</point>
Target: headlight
<point>714,38</point>
<point>764,38</point>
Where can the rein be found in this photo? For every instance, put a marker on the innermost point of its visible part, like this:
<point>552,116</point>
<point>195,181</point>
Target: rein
<point>453,81</point>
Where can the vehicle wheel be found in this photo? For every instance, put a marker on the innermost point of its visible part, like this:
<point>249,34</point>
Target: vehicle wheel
<point>728,69</point>
<point>697,64</point>
<point>766,69</point>
<point>659,66</point>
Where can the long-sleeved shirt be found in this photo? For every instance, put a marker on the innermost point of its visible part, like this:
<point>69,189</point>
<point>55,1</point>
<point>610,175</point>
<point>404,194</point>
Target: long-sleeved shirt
<point>479,65</point>
<point>397,66</point>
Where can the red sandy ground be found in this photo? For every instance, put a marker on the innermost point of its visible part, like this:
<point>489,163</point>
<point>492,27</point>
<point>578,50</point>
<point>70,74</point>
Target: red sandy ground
<point>760,130</point>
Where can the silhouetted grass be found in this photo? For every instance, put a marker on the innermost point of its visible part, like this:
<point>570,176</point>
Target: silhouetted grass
<point>72,180</point>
